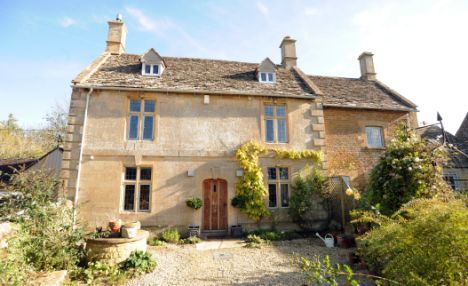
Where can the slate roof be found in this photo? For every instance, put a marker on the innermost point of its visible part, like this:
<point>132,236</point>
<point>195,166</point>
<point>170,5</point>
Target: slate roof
<point>455,146</point>
<point>359,93</point>
<point>218,76</point>
<point>187,74</point>
<point>462,132</point>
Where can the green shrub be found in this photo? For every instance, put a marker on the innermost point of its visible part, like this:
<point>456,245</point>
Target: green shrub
<point>155,242</point>
<point>170,235</point>
<point>424,243</point>
<point>194,203</point>
<point>191,240</point>
<point>323,272</point>
<point>271,234</point>
<point>45,238</point>
<point>253,241</point>
<point>409,168</point>
<point>100,273</point>
<point>138,262</point>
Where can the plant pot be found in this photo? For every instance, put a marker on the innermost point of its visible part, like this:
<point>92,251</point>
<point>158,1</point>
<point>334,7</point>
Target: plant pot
<point>236,231</point>
<point>133,224</point>
<point>115,226</point>
<point>194,230</point>
<point>129,232</point>
<point>343,241</point>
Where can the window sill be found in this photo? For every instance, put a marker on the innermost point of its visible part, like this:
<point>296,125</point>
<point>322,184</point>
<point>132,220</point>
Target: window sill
<point>374,148</point>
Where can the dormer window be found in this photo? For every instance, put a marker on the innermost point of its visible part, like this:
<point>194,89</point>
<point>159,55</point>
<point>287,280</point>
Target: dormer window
<point>266,71</point>
<point>267,77</point>
<point>149,69</point>
<point>152,64</point>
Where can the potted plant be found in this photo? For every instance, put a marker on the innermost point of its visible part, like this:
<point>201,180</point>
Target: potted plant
<point>115,225</point>
<point>194,203</point>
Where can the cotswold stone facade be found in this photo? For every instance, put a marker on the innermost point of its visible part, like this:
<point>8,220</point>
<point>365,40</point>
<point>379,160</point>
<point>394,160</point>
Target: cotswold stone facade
<point>147,132</point>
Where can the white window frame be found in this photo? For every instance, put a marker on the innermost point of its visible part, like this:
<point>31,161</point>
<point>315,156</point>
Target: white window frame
<point>455,180</point>
<point>266,75</point>
<point>278,182</point>
<point>382,138</point>
<point>137,183</point>
<point>143,69</point>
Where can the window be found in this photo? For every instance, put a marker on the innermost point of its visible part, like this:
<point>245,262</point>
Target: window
<point>278,187</point>
<point>137,189</point>
<point>268,77</point>
<point>374,137</point>
<point>452,181</point>
<point>149,69</point>
<point>141,116</point>
<point>275,123</point>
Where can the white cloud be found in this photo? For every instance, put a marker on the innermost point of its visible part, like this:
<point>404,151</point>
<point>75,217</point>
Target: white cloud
<point>67,22</point>
<point>263,8</point>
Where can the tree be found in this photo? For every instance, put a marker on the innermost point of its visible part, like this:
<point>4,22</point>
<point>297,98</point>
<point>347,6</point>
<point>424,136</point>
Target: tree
<point>410,168</point>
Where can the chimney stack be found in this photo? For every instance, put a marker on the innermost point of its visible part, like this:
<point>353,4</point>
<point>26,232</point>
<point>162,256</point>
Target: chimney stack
<point>288,52</point>
<point>116,36</point>
<point>367,66</point>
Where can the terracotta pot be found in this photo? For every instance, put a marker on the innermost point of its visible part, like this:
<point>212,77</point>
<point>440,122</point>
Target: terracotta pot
<point>115,226</point>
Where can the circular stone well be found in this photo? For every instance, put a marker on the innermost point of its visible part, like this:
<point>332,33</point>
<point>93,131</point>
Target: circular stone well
<point>115,250</point>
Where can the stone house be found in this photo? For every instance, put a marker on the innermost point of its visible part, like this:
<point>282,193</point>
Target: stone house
<point>147,132</point>
<point>455,171</point>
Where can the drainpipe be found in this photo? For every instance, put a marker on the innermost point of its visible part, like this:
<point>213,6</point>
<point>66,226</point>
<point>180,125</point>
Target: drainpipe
<point>78,176</point>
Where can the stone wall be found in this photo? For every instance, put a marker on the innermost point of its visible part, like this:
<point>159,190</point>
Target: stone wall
<point>346,142</point>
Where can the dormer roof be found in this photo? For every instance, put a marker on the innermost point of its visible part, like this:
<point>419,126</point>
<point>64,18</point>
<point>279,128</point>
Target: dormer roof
<point>266,65</point>
<point>152,57</point>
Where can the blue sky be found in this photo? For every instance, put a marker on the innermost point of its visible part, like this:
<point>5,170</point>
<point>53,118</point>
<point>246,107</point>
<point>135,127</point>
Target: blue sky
<point>420,47</point>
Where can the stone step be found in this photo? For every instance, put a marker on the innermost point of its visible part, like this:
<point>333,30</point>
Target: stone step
<point>214,233</point>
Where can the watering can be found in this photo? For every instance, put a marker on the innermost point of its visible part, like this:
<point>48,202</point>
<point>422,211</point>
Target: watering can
<point>328,239</point>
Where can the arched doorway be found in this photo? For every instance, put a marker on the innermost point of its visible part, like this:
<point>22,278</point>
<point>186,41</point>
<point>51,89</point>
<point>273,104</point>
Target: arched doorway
<point>215,204</point>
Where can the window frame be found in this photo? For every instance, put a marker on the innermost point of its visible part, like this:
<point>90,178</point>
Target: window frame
<point>151,73</point>
<point>275,119</point>
<point>141,119</point>
<point>278,182</point>
<point>456,184</point>
<point>382,137</point>
<point>137,183</point>
<point>266,77</point>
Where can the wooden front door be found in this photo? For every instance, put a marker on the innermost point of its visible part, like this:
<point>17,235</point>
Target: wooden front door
<point>214,204</point>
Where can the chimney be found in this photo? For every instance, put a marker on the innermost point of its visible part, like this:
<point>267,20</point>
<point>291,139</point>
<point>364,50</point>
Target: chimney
<point>367,66</point>
<point>116,36</point>
<point>288,52</point>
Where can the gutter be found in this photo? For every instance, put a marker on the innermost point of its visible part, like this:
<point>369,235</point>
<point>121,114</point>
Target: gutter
<point>78,176</point>
<point>192,91</point>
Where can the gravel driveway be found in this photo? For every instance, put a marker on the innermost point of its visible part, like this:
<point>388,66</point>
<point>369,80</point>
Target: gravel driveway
<point>269,265</point>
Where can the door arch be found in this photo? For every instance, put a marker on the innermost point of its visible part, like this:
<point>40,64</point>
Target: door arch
<point>215,204</point>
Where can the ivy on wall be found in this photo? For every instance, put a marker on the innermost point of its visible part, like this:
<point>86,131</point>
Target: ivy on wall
<point>250,188</point>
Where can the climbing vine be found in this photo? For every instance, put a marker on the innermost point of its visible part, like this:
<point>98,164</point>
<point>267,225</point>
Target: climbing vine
<point>250,189</point>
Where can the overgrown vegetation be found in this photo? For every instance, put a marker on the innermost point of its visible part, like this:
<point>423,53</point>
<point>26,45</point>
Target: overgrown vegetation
<point>45,239</point>
<point>410,168</point>
<point>190,240</point>
<point>254,241</point>
<point>250,188</point>
<point>138,262</point>
<point>155,241</point>
<point>274,235</point>
<point>424,243</point>
<point>194,203</point>
<point>170,235</point>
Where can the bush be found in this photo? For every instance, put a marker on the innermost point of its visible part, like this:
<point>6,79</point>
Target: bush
<point>138,262</point>
<point>170,235</point>
<point>253,241</point>
<point>156,242</point>
<point>410,168</point>
<point>424,243</point>
<point>194,203</point>
<point>45,239</point>
<point>271,234</point>
<point>191,240</point>
<point>100,273</point>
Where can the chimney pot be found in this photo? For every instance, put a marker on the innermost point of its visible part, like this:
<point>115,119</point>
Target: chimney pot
<point>288,52</point>
<point>116,36</point>
<point>366,63</point>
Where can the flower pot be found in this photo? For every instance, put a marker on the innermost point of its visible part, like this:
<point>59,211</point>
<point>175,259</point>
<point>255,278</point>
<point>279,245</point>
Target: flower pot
<point>236,231</point>
<point>115,226</point>
<point>133,224</point>
<point>129,232</point>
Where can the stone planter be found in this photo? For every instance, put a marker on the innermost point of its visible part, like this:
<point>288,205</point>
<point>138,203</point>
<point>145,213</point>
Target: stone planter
<point>115,250</point>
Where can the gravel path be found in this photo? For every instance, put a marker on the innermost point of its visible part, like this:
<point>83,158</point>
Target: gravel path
<point>269,265</point>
